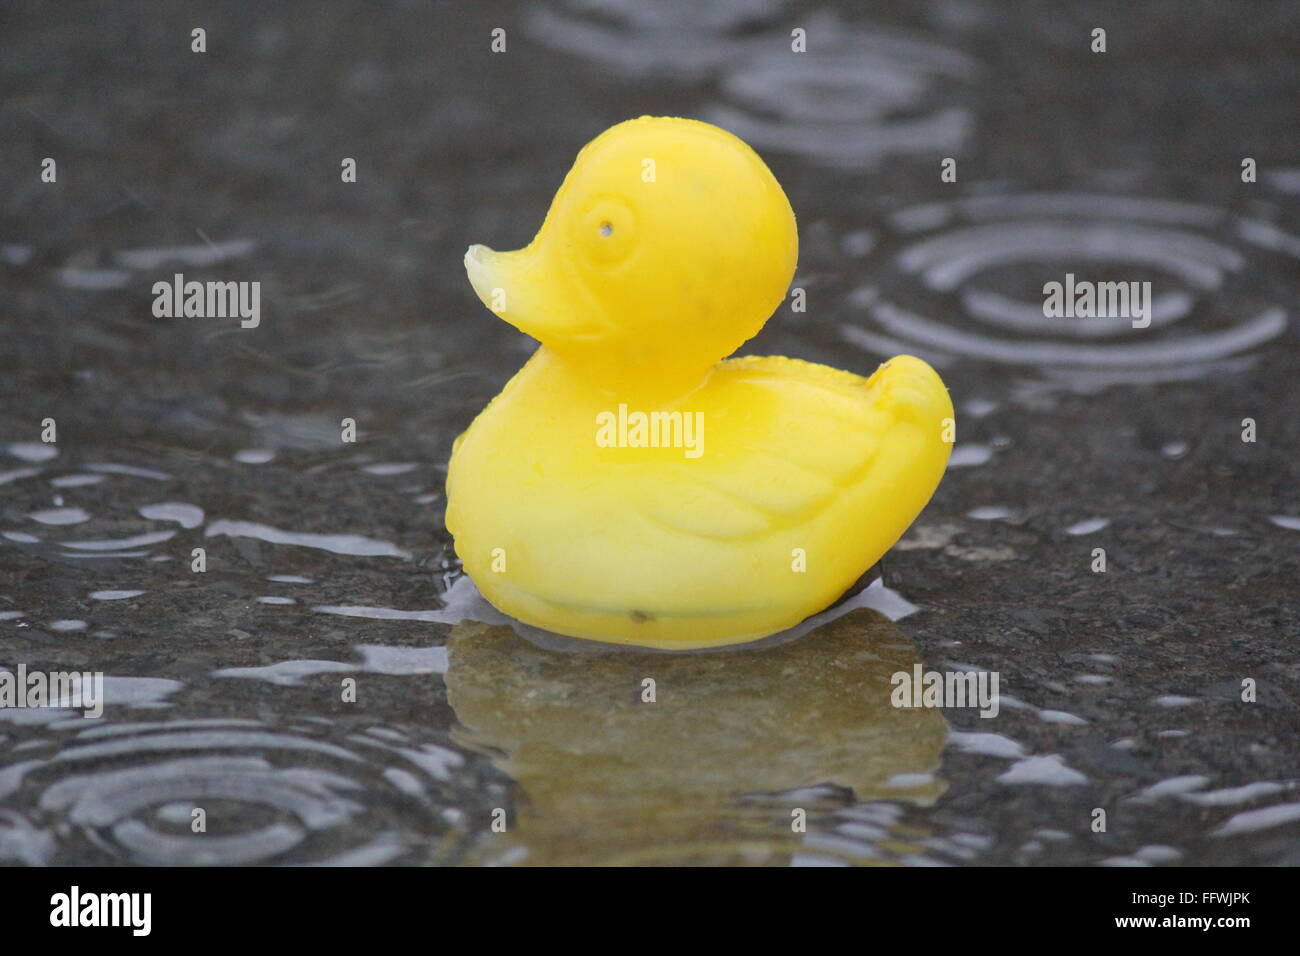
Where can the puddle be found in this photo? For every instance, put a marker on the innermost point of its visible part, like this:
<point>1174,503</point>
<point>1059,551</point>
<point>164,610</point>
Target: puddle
<point>289,645</point>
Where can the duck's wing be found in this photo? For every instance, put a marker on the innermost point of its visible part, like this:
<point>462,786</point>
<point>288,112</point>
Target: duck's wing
<point>783,439</point>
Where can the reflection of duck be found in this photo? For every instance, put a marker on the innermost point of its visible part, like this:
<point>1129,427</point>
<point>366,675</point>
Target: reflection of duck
<point>609,778</point>
<point>734,498</point>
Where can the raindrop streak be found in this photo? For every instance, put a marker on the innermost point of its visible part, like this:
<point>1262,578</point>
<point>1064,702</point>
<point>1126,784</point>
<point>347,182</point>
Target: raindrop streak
<point>254,456</point>
<point>352,544</point>
<point>114,595</point>
<point>969,455</point>
<point>187,516</point>
<point>75,481</point>
<point>18,474</point>
<point>116,544</point>
<point>32,451</point>
<point>130,470</point>
<point>1049,771</point>
<point>91,280</point>
<point>147,260</point>
<point>376,659</point>
<point>990,513</point>
<point>1262,819</point>
<point>986,744</point>
<point>60,516</point>
<point>1088,526</point>
<point>1234,795</point>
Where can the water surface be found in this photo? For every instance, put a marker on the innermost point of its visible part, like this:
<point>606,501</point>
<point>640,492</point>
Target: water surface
<point>321,694</point>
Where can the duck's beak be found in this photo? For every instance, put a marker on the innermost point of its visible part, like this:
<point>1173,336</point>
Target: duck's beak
<point>493,276</point>
<point>521,288</point>
<point>511,285</point>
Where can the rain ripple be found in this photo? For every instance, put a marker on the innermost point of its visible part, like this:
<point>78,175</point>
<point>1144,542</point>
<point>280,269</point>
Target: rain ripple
<point>237,791</point>
<point>973,259</point>
<point>854,95</point>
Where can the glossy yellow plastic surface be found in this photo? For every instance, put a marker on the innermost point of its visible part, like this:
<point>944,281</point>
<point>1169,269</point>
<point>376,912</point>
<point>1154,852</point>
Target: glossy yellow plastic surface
<point>628,485</point>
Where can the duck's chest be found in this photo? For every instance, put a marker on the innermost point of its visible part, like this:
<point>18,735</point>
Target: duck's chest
<point>527,431</point>
<point>547,421</point>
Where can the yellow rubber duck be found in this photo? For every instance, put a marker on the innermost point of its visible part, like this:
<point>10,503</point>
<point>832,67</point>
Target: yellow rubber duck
<point>629,485</point>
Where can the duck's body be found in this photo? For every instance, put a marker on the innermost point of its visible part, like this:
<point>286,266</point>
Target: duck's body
<point>775,484</point>
<point>806,476</point>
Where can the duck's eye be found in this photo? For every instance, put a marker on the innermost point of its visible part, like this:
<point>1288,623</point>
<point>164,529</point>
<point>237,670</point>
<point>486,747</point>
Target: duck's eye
<point>605,228</point>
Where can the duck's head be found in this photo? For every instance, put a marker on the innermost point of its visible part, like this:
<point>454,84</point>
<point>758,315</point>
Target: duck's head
<point>667,246</point>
